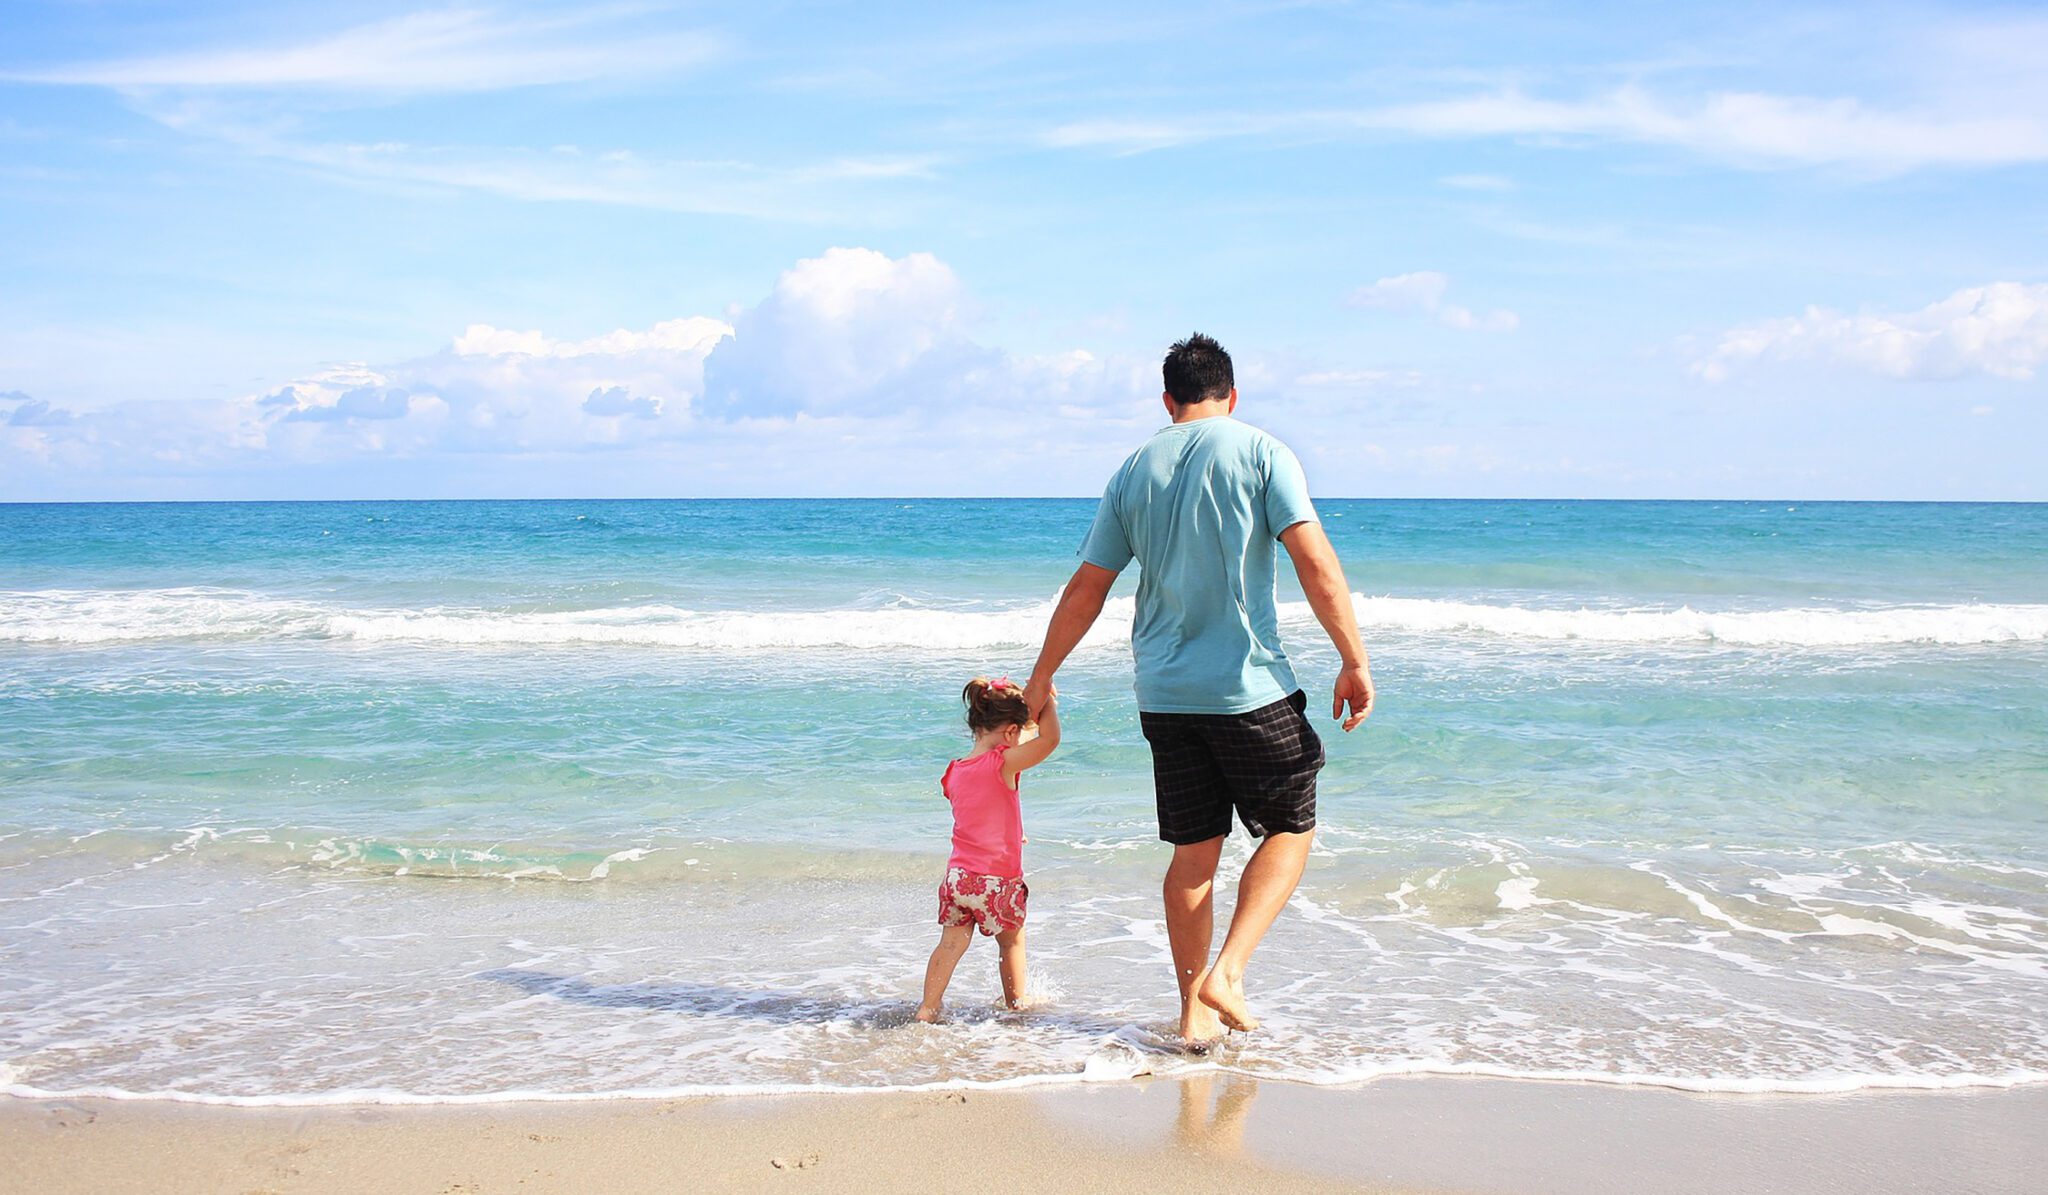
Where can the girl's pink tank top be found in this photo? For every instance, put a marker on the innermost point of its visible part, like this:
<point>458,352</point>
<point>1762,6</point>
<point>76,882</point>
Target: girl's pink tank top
<point>988,823</point>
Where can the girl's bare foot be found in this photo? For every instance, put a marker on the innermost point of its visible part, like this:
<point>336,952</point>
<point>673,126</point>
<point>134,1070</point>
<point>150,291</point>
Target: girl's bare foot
<point>1226,996</point>
<point>927,1014</point>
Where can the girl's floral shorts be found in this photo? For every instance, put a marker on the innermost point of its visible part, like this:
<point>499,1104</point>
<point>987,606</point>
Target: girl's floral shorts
<point>992,904</point>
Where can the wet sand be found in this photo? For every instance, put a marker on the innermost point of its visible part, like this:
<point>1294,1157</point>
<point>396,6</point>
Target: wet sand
<point>1218,1132</point>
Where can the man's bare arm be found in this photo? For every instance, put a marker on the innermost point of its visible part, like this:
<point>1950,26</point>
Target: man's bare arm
<point>1329,595</point>
<point>1079,606</point>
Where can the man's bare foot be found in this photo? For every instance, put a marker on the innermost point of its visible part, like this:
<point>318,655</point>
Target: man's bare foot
<point>1199,1027</point>
<point>1226,996</point>
<point>927,1014</point>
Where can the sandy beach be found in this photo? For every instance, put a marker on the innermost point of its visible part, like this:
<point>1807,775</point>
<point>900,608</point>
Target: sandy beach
<point>1214,1132</point>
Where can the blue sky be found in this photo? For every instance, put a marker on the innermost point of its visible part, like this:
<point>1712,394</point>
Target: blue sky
<point>385,250</point>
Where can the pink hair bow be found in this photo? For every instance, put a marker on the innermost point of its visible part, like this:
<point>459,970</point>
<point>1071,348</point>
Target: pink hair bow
<point>1001,682</point>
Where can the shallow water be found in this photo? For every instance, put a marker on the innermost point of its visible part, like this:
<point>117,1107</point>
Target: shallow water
<point>466,800</point>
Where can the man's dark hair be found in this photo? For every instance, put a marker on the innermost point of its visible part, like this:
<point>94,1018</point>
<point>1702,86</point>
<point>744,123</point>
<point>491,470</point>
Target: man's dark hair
<point>1198,370</point>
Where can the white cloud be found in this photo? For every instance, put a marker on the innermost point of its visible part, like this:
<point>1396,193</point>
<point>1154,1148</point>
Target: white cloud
<point>691,334</point>
<point>856,373</point>
<point>1143,136</point>
<point>850,329</point>
<point>1122,136</point>
<point>362,403</point>
<point>451,50</point>
<point>1359,379</point>
<point>529,391</point>
<point>841,188</point>
<point>492,391</point>
<point>265,101</point>
<point>618,401</point>
<point>1424,291</point>
<point>2000,329</point>
<point>336,394</point>
<point>1748,129</point>
<point>31,412</point>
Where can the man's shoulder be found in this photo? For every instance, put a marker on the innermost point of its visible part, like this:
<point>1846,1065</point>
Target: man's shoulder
<point>1220,439</point>
<point>1162,441</point>
<point>1259,436</point>
<point>1254,445</point>
<point>1118,479</point>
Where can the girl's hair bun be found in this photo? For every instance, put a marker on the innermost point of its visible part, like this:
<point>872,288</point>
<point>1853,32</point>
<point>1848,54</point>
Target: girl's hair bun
<point>994,704</point>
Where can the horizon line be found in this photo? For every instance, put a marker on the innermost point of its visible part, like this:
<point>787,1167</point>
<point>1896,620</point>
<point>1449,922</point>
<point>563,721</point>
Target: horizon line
<point>5,502</point>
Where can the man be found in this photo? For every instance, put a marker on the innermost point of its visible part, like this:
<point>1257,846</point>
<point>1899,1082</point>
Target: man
<point>1200,507</point>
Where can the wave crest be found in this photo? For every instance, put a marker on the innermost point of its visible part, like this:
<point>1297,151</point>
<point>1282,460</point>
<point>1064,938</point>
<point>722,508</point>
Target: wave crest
<point>1957,625</point>
<point>112,617</point>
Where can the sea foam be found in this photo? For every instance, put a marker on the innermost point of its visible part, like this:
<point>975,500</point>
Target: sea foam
<point>103,617</point>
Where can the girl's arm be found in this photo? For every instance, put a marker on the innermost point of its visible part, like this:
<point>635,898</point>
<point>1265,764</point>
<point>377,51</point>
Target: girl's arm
<point>1033,753</point>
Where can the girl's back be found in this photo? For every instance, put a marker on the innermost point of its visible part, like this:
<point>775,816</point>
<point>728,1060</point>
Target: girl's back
<point>988,819</point>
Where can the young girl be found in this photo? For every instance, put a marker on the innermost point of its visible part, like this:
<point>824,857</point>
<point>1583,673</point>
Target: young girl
<point>984,885</point>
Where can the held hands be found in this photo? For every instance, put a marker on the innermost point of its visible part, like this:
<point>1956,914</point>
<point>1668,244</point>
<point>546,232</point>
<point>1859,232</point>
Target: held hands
<point>1354,687</point>
<point>1038,695</point>
<point>1051,706</point>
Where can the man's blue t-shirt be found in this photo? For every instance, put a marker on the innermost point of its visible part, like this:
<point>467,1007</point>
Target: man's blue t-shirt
<point>1201,506</point>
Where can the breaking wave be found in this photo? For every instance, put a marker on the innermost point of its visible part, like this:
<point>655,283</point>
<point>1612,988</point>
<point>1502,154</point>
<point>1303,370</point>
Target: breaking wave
<point>106,617</point>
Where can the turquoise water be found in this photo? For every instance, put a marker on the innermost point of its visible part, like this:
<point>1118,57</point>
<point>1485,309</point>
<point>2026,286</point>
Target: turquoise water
<point>303,802</point>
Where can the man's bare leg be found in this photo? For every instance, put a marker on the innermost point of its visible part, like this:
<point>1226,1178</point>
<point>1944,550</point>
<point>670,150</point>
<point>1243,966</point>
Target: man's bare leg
<point>1191,1126</point>
<point>1262,891</point>
<point>1190,927</point>
<point>1233,1107</point>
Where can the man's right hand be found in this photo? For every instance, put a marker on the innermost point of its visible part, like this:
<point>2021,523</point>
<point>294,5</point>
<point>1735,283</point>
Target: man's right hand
<point>1354,688</point>
<point>1036,695</point>
<point>1079,605</point>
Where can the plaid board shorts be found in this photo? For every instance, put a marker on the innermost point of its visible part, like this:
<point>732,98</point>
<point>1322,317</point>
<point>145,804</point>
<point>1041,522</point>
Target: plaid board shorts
<point>1263,763</point>
<point>992,904</point>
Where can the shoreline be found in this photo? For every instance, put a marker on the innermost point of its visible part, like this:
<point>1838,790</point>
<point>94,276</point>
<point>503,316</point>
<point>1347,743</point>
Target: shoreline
<point>1206,1131</point>
<point>396,1098</point>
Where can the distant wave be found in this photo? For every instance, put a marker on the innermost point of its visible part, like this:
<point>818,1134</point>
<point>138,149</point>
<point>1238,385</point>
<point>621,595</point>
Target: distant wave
<point>89,617</point>
<point>667,626</point>
<point>92,616</point>
<point>1793,627</point>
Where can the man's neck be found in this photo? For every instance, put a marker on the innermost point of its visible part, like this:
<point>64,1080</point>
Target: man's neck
<point>1202,410</point>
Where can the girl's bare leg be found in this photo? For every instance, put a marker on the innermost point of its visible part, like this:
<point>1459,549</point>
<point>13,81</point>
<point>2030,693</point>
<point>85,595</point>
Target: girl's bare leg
<point>953,942</point>
<point>1010,964</point>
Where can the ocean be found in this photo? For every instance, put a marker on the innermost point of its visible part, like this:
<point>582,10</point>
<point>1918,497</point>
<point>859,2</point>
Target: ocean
<point>470,801</point>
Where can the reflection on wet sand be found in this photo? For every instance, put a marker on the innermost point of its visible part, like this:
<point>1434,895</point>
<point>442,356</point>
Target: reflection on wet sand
<point>1219,1131</point>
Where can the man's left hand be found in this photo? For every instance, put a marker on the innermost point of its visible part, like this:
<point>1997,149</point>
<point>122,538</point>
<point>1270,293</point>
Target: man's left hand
<point>1354,688</point>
